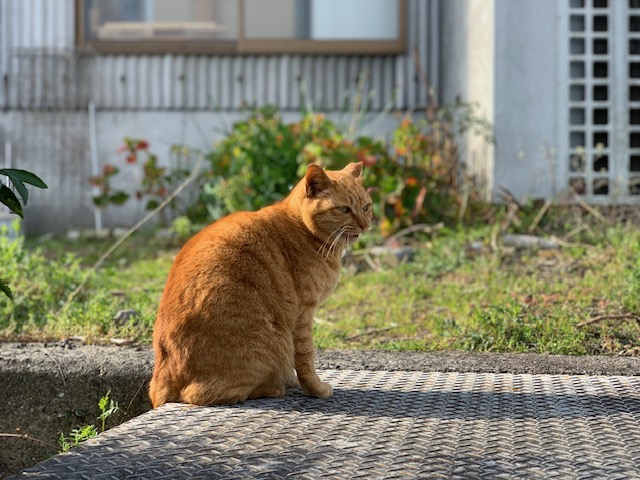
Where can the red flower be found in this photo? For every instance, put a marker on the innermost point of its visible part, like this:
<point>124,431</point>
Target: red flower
<point>369,160</point>
<point>132,158</point>
<point>109,170</point>
<point>142,145</point>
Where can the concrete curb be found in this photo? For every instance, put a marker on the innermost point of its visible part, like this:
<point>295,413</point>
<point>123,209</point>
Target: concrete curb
<point>49,389</point>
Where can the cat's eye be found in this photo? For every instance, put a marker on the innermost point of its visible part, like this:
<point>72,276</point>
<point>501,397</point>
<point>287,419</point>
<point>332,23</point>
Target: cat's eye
<point>366,208</point>
<point>344,210</point>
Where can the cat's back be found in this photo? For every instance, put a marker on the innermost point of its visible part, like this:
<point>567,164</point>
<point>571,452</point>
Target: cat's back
<point>233,239</point>
<point>244,249</point>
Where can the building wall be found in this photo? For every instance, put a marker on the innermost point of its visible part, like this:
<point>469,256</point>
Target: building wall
<point>560,81</point>
<point>508,68</point>
<point>526,97</point>
<point>48,86</point>
<point>38,62</point>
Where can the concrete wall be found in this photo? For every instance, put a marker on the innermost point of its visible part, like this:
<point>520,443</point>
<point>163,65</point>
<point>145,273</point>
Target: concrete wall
<point>502,56</point>
<point>526,99</point>
<point>467,74</point>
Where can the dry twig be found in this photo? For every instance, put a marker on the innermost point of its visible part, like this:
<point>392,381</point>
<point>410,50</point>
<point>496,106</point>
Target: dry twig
<point>599,318</point>
<point>64,382</point>
<point>144,382</point>
<point>539,216</point>
<point>28,437</point>
<point>192,176</point>
<point>420,227</point>
<point>578,198</point>
<point>370,332</point>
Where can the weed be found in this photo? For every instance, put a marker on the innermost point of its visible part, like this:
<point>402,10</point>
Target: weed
<point>463,290</point>
<point>78,435</point>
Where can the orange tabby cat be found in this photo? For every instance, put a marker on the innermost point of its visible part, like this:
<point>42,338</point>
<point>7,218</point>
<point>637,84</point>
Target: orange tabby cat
<point>236,314</point>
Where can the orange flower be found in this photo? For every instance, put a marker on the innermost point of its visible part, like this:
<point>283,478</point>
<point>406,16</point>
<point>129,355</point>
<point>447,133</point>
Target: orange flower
<point>411,181</point>
<point>401,150</point>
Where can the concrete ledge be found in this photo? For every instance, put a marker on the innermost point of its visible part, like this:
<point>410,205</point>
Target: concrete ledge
<point>45,390</point>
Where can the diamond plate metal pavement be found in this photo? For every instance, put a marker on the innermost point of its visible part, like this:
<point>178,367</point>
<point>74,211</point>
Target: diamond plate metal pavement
<point>383,425</point>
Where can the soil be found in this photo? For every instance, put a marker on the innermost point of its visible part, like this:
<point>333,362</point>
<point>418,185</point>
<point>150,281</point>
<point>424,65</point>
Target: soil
<point>46,389</point>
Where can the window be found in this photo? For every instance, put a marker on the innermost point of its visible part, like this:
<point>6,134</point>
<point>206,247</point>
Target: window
<point>242,26</point>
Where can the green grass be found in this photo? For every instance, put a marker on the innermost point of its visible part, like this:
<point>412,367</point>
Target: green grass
<point>451,296</point>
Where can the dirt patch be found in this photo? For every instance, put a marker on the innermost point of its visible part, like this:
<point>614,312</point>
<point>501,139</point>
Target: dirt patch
<point>49,389</point>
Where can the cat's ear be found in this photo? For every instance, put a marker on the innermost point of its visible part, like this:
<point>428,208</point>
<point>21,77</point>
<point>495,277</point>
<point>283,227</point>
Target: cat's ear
<point>354,169</point>
<point>316,180</point>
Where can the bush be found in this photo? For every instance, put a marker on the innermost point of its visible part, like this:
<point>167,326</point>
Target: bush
<point>155,183</point>
<point>415,177</point>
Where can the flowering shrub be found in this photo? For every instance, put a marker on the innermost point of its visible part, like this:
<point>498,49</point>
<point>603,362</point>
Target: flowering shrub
<point>154,183</point>
<point>413,177</point>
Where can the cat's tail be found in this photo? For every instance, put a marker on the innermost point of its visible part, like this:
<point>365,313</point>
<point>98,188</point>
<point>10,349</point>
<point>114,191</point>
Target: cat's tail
<point>160,391</point>
<point>163,388</point>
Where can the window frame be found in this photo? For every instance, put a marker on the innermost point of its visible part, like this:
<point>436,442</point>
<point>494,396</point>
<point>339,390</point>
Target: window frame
<point>244,46</point>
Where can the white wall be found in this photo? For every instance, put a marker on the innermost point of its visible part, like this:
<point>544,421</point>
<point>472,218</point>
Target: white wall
<point>467,75</point>
<point>526,96</point>
<point>502,55</point>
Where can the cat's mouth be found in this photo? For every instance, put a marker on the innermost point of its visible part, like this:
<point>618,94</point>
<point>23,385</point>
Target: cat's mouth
<point>352,237</point>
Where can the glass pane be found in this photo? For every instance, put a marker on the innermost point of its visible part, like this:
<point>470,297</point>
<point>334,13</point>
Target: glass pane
<point>160,19</point>
<point>322,19</point>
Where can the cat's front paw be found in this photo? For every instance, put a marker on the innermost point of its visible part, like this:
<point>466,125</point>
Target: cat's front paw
<point>318,390</point>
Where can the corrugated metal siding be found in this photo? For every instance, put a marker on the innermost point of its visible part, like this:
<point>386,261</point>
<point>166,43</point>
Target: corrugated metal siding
<point>41,69</point>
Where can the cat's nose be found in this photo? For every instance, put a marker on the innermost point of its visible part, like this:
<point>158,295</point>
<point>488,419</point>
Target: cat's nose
<point>363,224</point>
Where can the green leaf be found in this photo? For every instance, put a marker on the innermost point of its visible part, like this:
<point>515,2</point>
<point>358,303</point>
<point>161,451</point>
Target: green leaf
<point>4,288</point>
<point>119,198</point>
<point>151,204</point>
<point>23,175</point>
<point>101,201</point>
<point>10,200</point>
<point>22,190</point>
<point>19,177</point>
<point>104,401</point>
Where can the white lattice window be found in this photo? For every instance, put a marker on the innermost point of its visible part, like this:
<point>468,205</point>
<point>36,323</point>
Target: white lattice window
<point>603,161</point>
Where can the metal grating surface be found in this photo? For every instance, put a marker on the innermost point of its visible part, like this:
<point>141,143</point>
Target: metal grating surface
<point>383,425</point>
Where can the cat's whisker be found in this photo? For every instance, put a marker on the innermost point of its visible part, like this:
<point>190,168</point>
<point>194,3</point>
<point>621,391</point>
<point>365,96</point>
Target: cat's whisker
<point>325,244</point>
<point>332,241</point>
<point>338,240</point>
